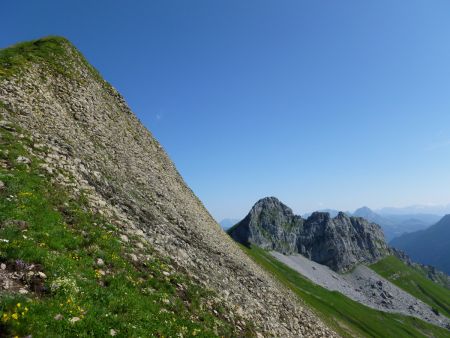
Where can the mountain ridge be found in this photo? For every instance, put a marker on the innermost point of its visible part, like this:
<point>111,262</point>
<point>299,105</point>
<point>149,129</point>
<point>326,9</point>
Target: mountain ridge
<point>97,147</point>
<point>340,242</point>
<point>430,246</point>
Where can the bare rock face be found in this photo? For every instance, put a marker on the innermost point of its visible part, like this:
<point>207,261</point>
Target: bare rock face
<point>341,242</point>
<point>271,225</point>
<point>88,131</point>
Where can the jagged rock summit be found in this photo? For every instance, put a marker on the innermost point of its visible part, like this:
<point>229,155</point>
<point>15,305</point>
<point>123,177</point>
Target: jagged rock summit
<point>94,144</point>
<point>340,242</point>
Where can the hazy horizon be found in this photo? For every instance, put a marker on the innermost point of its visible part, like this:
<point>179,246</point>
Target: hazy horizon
<point>435,209</point>
<point>321,104</point>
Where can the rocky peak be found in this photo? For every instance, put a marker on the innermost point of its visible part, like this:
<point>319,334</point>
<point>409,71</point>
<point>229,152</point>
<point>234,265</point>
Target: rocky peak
<point>365,212</point>
<point>271,210</point>
<point>272,222</point>
<point>271,203</point>
<point>340,242</point>
<point>364,209</point>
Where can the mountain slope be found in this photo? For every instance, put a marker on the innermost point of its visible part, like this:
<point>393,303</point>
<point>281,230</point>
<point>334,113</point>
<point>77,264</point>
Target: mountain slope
<point>430,246</point>
<point>340,242</point>
<point>97,149</point>
<point>347,317</point>
<point>366,287</point>
<point>60,260</point>
<point>414,283</point>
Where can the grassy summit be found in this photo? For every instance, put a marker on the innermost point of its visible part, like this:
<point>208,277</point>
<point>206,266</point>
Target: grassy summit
<point>50,50</point>
<point>56,54</point>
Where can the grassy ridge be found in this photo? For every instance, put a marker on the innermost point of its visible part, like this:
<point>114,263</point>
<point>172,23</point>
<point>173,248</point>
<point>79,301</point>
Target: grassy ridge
<point>415,283</point>
<point>55,53</point>
<point>48,50</point>
<point>347,317</point>
<point>41,224</point>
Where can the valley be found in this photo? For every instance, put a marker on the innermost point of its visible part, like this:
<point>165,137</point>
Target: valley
<point>354,261</point>
<point>349,318</point>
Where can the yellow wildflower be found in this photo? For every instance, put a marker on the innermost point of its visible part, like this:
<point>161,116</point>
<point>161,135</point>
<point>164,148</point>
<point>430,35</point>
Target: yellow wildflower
<point>25,193</point>
<point>19,305</point>
<point>15,316</point>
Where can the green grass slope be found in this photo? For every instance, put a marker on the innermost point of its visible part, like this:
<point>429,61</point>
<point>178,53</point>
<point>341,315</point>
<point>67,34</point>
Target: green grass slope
<point>414,282</point>
<point>41,225</point>
<point>50,51</point>
<point>347,317</point>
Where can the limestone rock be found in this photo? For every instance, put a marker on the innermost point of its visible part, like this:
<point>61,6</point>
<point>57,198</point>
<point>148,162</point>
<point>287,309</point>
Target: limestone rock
<point>340,242</point>
<point>23,160</point>
<point>73,320</point>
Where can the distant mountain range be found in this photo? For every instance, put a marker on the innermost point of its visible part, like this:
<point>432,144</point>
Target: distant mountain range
<point>394,225</point>
<point>440,210</point>
<point>430,246</point>
<point>228,223</point>
<point>394,221</point>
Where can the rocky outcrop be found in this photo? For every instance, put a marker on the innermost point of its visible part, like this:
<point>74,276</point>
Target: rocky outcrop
<point>271,225</point>
<point>341,242</point>
<point>96,146</point>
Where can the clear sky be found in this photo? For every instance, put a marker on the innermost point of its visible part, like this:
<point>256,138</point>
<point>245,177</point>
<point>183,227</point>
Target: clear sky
<point>324,104</point>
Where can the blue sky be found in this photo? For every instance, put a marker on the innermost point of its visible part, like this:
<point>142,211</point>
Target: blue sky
<point>333,104</point>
